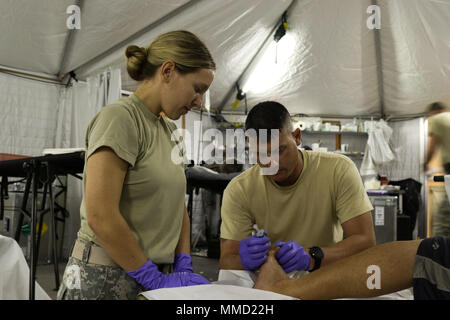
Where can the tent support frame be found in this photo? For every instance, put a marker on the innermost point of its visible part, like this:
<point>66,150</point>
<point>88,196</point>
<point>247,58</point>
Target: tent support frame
<point>68,43</point>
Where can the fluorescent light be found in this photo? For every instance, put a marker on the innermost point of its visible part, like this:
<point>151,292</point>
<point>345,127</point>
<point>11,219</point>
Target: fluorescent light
<point>272,66</point>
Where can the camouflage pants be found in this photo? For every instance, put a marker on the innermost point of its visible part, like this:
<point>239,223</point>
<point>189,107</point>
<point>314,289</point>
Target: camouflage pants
<point>84,281</point>
<point>88,281</point>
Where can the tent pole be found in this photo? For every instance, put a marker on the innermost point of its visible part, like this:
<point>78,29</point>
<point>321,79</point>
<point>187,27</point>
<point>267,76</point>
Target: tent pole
<point>379,60</point>
<point>30,75</point>
<point>269,36</point>
<point>127,41</point>
<point>68,44</point>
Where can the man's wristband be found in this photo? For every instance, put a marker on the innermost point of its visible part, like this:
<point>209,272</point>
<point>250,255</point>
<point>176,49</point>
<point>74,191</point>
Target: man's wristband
<point>317,254</point>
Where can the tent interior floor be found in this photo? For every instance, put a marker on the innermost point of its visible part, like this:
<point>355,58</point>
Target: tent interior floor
<point>45,276</point>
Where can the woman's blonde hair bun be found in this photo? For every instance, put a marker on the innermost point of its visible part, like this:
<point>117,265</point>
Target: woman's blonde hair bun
<point>182,47</point>
<point>136,59</point>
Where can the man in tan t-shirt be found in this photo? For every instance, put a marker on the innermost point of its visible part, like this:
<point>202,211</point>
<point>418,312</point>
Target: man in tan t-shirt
<point>307,206</point>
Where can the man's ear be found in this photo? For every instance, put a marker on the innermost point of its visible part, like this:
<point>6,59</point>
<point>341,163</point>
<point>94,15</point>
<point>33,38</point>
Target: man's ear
<point>297,134</point>
<point>167,70</point>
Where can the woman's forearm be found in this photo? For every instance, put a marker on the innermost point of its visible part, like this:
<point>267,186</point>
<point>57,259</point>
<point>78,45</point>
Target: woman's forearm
<point>184,242</point>
<point>116,238</point>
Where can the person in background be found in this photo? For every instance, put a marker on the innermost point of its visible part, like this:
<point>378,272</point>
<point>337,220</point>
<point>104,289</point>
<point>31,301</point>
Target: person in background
<point>305,206</point>
<point>134,233</point>
<point>439,138</point>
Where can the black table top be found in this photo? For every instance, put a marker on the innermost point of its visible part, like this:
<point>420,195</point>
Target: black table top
<point>208,179</point>
<point>67,163</point>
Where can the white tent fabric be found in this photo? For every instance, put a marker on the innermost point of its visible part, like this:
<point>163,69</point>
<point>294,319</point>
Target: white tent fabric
<point>415,44</point>
<point>27,116</point>
<point>328,62</point>
<point>79,104</point>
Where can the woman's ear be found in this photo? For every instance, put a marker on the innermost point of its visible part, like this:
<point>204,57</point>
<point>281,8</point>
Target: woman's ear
<point>167,70</point>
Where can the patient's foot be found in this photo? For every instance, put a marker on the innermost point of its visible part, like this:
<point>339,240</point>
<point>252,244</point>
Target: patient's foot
<point>270,273</point>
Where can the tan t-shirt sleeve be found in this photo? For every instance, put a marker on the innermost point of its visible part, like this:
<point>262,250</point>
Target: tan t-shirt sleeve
<point>351,197</point>
<point>115,128</point>
<point>237,221</point>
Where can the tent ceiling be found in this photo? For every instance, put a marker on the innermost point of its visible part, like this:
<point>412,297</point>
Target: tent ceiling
<point>105,23</point>
<point>326,64</point>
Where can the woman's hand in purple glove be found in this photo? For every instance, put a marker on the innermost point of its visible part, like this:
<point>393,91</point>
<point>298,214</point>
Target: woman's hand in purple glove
<point>151,278</point>
<point>253,251</point>
<point>292,256</point>
<point>182,263</point>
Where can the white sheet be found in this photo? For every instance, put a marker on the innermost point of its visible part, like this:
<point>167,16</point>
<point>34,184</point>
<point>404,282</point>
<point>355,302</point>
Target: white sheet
<point>15,274</point>
<point>213,292</point>
<point>237,285</point>
<point>231,285</point>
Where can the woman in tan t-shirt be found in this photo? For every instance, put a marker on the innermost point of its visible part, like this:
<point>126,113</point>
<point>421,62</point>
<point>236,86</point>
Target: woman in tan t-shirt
<point>174,72</point>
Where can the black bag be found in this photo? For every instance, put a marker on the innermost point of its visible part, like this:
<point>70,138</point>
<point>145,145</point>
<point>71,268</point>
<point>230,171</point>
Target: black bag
<point>411,199</point>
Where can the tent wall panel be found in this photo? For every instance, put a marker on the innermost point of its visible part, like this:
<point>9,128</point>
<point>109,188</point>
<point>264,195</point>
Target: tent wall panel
<point>28,110</point>
<point>415,43</point>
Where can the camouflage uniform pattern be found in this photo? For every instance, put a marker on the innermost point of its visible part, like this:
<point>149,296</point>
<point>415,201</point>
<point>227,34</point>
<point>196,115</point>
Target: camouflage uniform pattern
<point>88,281</point>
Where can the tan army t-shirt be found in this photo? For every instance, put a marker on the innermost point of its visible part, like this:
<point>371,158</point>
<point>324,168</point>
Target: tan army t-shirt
<point>152,200</point>
<point>439,125</point>
<point>328,192</point>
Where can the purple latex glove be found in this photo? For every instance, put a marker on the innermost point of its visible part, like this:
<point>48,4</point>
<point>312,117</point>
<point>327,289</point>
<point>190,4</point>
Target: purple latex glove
<point>253,251</point>
<point>292,256</point>
<point>151,278</point>
<point>182,263</point>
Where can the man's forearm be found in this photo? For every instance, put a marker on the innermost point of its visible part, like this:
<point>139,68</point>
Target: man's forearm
<point>229,255</point>
<point>347,247</point>
<point>231,262</point>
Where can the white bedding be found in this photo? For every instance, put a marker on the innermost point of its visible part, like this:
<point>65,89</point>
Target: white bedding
<point>15,274</point>
<point>237,285</point>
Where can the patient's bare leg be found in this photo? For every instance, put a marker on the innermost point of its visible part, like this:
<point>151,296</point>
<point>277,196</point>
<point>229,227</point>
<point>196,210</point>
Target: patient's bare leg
<point>270,273</point>
<point>348,277</point>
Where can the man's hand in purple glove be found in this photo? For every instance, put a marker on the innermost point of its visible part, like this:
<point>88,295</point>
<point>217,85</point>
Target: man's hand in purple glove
<point>151,278</point>
<point>292,256</point>
<point>253,251</point>
<point>182,263</point>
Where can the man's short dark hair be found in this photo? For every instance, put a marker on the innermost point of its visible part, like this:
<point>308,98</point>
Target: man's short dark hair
<point>436,107</point>
<point>268,115</point>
